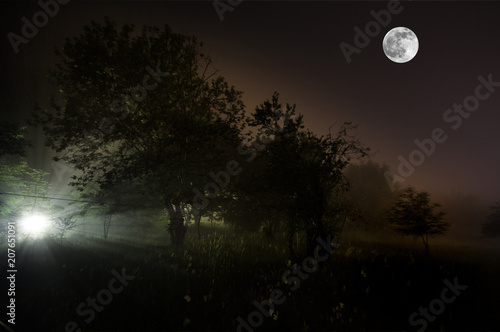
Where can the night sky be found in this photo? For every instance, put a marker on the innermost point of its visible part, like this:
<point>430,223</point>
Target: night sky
<point>292,47</point>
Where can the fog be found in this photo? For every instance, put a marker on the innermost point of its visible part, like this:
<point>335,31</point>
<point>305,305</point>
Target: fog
<point>249,165</point>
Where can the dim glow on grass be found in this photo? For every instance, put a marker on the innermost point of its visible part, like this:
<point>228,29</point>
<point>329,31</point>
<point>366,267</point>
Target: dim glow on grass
<point>34,224</point>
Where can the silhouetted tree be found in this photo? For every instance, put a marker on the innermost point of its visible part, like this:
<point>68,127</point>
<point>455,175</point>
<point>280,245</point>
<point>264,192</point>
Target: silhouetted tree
<point>250,205</point>
<point>414,214</point>
<point>303,171</point>
<point>491,228</point>
<point>64,224</point>
<point>141,106</point>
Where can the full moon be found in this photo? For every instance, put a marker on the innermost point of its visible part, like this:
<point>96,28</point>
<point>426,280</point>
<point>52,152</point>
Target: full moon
<point>400,45</point>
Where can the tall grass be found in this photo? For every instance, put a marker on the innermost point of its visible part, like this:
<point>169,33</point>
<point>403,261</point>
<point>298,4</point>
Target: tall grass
<point>366,284</point>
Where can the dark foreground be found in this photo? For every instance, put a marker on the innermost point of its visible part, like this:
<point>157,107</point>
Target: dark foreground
<point>208,284</point>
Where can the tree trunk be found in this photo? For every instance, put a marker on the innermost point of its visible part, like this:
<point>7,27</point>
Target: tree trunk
<point>197,221</point>
<point>316,230</point>
<point>176,227</point>
<point>106,225</point>
<point>425,240</point>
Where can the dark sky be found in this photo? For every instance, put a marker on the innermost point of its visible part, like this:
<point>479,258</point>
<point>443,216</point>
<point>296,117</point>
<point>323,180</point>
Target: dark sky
<point>293,47</point>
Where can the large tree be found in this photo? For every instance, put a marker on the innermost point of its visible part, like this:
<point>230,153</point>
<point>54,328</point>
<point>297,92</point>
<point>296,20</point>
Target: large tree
<point>145,105</point>
<point>414,214</point>
<point>302,171</point>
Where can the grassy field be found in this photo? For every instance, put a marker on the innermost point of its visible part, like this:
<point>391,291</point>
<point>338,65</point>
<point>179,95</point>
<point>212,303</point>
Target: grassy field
<point>365,285</point>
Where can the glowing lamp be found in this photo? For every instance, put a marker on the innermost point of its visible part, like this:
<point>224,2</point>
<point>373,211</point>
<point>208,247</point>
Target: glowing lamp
<point>34,224</point>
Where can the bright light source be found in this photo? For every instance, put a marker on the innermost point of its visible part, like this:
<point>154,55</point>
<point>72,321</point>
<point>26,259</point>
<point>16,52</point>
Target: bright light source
<point>34,224</point>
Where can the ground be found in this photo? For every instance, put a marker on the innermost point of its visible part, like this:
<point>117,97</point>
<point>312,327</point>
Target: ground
<point>365,285</point>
